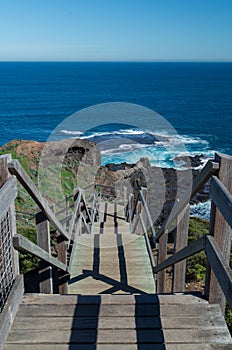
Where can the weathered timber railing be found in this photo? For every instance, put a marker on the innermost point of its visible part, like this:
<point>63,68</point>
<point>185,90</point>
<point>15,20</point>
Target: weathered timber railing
<point>106,192</point>
<point>137,212</point>
<point>139,217</point>
<point>10,172</point>
<point>11,284</point>
<point>217,244</point>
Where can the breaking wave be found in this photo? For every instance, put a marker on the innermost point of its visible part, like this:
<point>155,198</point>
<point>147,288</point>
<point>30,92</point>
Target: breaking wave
<point>118,145</point>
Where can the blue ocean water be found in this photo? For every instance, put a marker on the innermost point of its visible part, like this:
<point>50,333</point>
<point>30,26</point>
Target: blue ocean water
<point>195,98</point>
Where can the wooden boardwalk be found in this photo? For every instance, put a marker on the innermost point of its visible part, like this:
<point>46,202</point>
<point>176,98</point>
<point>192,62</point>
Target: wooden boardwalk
<point>111,260</point>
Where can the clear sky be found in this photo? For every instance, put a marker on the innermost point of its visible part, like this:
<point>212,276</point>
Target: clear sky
<point>115,30</point>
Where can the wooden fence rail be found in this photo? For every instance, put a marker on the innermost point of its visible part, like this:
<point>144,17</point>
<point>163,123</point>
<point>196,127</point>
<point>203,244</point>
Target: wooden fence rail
<point>217,244</point>
<point>203,176</point>
<point>16,169</point>
<point>10,170</point>
<point>221,224</point>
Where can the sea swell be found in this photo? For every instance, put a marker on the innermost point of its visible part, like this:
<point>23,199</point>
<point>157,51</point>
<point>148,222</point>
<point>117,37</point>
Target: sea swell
<point>130,144</point>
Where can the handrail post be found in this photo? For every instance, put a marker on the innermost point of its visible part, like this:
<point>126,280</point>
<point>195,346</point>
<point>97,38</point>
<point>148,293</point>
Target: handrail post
<point>125,200</point>
<point>4,175</point>
<point>181,241</point>
<point>221,231</point>
<point>144,215</point>
<point>43,241</point>
<point>148,221</point>
<point>138,211</point>
<point>130,210</point>
<point>66,209</point>
<point>62,256</point>
<point>162,255</point>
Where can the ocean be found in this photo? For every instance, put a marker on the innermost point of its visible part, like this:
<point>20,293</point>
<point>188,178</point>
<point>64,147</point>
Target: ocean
<point>192,104</point>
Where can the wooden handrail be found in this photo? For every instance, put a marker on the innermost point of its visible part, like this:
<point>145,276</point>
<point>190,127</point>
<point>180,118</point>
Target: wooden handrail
<point>135,224</point>
<point>86,207</point>
<point>133,210</point>
<point>131,215</point>
<point>73,218</point>
<point>8,193</point>
<point>104,186</point>
<point>147,242</point>
<point>64,210</point>
<point>65,219</point>
<point>63,200</point>
<point>222,198</point>
<point>220,267</point>
<point>150,222</point>
<point>203,176</point>
<point>23,244</point>
<point>193,248</point>
<point>16,169</point>
<point>215,258</point>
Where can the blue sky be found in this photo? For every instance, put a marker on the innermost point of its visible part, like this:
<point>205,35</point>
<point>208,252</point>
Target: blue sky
<point>115,30</point>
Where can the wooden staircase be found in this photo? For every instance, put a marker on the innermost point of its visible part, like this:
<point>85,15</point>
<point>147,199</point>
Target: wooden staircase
<point>111,260</point>
<point>110,300</point>
<point>125,322</point>
<point>113,305</point>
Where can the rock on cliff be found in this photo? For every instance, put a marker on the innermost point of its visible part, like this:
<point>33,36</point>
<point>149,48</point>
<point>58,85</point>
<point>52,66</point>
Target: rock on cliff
<point>58,159</point>
<point>31,152</point>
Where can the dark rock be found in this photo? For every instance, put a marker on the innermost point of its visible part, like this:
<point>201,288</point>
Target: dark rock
<point>166,187</point>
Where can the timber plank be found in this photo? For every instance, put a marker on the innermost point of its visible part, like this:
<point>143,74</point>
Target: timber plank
<point>8,192</point>
<point>109,299</point>
<point>163,310</point>
<point>183,346</point>
<point>118,336</point>
<point>23,244</point>
<point>56,323</point>
<point>117,288</point>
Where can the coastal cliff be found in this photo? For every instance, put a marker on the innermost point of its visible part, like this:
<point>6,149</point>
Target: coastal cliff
<point>164,186</point>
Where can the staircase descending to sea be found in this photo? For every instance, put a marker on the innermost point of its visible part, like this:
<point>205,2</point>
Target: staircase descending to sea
<point>105,289</point>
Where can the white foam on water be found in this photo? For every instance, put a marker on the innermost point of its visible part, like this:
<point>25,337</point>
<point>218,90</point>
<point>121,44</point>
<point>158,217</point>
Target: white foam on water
<point>201,210</point>
<point>162,151</point>
<point>71,132</point>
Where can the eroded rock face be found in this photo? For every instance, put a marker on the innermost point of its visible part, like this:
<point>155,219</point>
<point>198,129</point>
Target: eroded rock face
<point>53,152</point>
<point>165,186</point>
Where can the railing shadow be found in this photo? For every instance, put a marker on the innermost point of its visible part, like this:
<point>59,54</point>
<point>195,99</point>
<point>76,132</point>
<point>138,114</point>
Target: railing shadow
<point>84,329</point>
<point>148,323</point>
<point>145,332</point>
<point>114,285</point>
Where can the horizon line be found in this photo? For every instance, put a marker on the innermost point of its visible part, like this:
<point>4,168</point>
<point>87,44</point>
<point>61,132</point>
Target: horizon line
<point>122,61</point>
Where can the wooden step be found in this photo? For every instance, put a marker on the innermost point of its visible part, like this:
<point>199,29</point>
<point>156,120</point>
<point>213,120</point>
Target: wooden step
<point>109,264</point>
<point>125,322</point>
<point>112,336</point>
<point>183,346</point>
<point>177,298</point>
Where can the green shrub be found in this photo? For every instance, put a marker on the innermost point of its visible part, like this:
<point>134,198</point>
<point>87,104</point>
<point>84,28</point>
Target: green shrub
<point>196,265</point>
<point>228,318</point>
